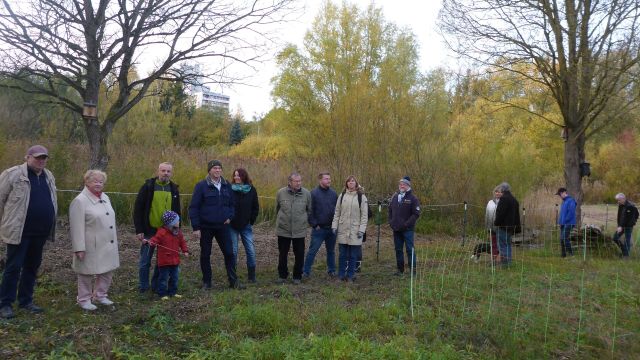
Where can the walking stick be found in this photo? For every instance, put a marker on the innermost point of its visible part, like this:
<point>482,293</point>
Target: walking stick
<point>378,221</point>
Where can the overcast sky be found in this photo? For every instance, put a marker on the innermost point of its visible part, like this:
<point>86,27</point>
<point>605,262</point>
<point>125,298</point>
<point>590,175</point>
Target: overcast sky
<point>418,15</point>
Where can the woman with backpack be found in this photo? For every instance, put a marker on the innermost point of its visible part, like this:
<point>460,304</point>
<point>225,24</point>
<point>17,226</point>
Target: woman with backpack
<point>349,224</point>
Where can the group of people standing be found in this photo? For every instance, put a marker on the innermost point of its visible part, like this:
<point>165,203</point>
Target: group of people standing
<point>337,218</point>
<point>219,209</point>
<point>502,218</point>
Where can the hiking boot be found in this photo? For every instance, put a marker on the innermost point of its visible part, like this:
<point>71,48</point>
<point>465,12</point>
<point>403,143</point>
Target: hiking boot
<point>297,281</point>
<point>205,287</point>
<point>398,273</point>
<point>251,275</point>
<point>281,280</point>
<point>6,312</point>
<point>33,308</point>
<point>237,285</point>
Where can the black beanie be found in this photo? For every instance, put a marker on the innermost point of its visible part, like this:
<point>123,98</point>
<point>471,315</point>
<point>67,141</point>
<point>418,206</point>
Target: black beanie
<point>213,163</point>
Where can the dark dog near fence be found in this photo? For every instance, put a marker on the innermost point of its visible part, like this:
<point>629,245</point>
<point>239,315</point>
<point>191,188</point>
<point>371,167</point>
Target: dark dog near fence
<point>479,249</point>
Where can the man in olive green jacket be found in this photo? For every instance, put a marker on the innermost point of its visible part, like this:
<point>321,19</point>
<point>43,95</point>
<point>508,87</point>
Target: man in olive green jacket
<point>293,206</point>
<point>28,208</point>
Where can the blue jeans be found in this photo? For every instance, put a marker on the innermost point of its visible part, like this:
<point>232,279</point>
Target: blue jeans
<point>246,234</point>
<point>504,244</point>
<point>146,255</point>
<point>626,246</point>
<point>168,280</point>
<point>565,239</point>
<point>348,260</point>
<point>405,238</point>
<point>318,236</point>
<point>21,269</point>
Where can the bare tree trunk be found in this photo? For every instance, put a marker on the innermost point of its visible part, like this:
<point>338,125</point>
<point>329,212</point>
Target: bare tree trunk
<point>573,157</point>
<point>97,136</point>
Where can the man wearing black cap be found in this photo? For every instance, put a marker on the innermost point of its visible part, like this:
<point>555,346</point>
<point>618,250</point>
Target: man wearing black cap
<point>404,211</point>
<point>566,220</point>
<point>28,208</point>
<point>211,211</point>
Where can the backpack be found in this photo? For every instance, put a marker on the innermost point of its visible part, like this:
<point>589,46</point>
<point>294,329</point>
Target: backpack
<point>369,213</point>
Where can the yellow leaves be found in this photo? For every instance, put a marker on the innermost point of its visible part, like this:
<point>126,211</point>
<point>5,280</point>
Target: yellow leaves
<point>266,147</point>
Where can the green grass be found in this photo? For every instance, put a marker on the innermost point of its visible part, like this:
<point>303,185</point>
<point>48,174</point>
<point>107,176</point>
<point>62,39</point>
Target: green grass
<point>541,307</point>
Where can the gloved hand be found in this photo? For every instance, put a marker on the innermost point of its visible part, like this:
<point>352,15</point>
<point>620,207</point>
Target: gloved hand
<point>335,231</point>
<point>360,234</point>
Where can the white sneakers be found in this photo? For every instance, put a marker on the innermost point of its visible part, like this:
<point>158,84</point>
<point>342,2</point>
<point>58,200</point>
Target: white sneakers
<point>88,306</point>
<point>104,301</point>
<point>91,307</point>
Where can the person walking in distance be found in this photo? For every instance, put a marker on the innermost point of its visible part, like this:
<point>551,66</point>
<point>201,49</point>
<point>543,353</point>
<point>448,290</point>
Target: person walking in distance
<point>507,221</point>
<point>627,218</point>
<point>566,220</point>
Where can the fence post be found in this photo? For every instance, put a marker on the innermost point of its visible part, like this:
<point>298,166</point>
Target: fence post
<point>464,224</point>
<point>555,224</point>
<point>606,218</point>
<point>524,222</point>
<point>411,282</point>
<point>378,222</point>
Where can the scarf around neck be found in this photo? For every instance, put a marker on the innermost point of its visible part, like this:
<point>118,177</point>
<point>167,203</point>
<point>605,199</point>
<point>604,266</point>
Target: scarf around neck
<point>243,188</point>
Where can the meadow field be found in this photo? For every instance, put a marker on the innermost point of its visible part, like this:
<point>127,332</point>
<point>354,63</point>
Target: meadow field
<point>543,306</point>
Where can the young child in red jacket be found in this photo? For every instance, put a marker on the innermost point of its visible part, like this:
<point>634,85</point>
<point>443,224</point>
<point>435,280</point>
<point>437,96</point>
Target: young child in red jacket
<point>170,241</point>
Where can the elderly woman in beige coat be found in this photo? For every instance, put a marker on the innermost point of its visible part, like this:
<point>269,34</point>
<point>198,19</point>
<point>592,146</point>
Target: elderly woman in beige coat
<point>350,224</point>
<point>92,223</point>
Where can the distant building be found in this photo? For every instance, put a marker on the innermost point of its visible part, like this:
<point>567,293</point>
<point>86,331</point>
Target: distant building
<point>204,97</point>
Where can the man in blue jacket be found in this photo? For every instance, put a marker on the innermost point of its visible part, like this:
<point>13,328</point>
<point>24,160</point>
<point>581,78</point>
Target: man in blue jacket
<point>211,211</point>
<point>566,220</point>
<point>404,211</point>
<point>323,206</point>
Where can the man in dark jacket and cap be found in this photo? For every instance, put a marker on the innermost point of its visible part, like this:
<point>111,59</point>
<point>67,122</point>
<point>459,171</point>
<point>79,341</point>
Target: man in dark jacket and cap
<point>404,211</point>
<point>507,221</point>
